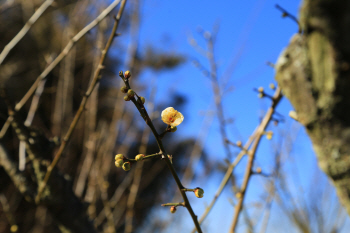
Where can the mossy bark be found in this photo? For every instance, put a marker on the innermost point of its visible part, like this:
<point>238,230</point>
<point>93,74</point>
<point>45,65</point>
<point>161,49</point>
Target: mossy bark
<point>314,74</point>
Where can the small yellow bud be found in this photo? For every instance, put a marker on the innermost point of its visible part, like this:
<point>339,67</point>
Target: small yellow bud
<point>173,209</point>
<point>126,166</point>
<point>124,89</point>
<point>143,100</point>
<point>260,95</point>
<point>238,195</point>
<point>272,86</point>
<point>258,170</point>
<point>118,156</point>
<point>269,135</point>
<point>119,163</point>
<point>14,228</point>
<point>127,74</point>
<point>173,129</point>
<point>126,98</point>
<point>260,89</point>
<point>199,192</point>
<point>239,143</point>
<point>131,93</point>
<point>139,157</point>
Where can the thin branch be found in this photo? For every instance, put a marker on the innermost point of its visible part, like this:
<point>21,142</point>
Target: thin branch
<point>251,155</point>
<point>140,107</point>
<point>24,30</point>
<point>138,169</point>
<point>226,178</point>
<point>23,184</point>
<point>6,209</point>
<point>59,58</point>
<point>239,157</point>
<point>217,93</point>
<point>287,14</point>
<point>94,82</point>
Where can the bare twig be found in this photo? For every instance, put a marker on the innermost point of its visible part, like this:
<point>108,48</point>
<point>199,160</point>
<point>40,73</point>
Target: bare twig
<point>259,130</point>
<point>217,92</point>
<point>145,116</point>
<point>226,178</point>
<point>96,79</point>
<point>92,135</point>
<point>6,209</point>
<point>251,155</point>
<point>25,29</point>
<point>287,14</point>
<point>59,58</point>
<point>138,170</point>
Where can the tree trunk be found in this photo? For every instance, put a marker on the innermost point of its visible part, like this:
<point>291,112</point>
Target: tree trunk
<point>314,74</point>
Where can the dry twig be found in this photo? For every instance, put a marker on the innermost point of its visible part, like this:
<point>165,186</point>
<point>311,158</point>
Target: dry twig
<point>96,79</point>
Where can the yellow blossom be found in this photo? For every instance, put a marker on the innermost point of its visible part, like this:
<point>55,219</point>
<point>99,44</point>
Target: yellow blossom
<point>172,117</point>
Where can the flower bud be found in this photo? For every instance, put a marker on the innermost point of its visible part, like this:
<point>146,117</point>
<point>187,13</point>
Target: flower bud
<point>121,74</point>
<point>258,170</point>
<point>173,129</point>
<point>139,157</point>
<point>239,143</point>
<point>14,228</point>
<point>260,89</point>
<point>199,192</point>
<point>126,166</point>
<point>272,86</point>
<point>269,135</point>
<point>131,93</point>
<point>143,100</point>
<point>118,156</point>
<point>261,95</point>
<point>127,74</point>
<point>126,98</point>
<point>124,89</point>
<point>119,163</point>
<point>173,209</point>
<point>238,195</point>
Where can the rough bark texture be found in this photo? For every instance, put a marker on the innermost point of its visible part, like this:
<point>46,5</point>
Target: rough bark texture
<point>314,74</point>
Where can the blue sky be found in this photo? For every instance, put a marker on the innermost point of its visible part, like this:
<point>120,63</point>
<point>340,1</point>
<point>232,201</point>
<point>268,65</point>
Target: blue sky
<point>255,32</point>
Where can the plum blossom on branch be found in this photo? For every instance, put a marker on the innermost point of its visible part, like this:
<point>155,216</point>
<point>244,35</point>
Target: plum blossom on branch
<point>172,117</point>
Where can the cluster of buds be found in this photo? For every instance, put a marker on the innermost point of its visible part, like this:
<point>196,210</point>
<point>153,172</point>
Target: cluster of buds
<point>119,162</point>
<point>261,92</point>
<point>129,92</point>
<point>125,76</point>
